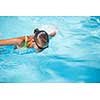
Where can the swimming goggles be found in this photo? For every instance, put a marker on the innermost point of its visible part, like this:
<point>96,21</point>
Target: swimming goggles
<point>37,33</point>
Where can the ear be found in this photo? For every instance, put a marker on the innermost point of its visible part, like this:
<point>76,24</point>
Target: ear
<point>36,30</point>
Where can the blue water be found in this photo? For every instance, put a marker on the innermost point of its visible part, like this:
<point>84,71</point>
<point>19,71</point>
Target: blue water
<point>73,54</point>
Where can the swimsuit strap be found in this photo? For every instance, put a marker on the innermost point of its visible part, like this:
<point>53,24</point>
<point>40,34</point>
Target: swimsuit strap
<point>25,43</point>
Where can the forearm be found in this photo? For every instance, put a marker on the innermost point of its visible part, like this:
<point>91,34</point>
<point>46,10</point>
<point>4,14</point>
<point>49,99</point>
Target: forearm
<point>6,42</point>
<point>13,41</point>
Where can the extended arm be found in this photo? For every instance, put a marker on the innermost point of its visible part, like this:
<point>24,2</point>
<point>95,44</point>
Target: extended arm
<point>13,41</point>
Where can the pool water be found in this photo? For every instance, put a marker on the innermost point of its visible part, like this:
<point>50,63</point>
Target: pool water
<point>73,55</point>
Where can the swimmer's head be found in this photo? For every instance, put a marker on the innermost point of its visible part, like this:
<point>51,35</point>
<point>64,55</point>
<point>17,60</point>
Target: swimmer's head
<point>50,29</point>
<point>41,39</point>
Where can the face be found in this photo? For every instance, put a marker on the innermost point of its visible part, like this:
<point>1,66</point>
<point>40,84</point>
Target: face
<point>33,45</point>
<point>40,40</point>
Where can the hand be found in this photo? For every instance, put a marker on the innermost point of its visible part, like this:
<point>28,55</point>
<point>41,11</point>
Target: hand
<point>30,43</point>
<point>52,34</point>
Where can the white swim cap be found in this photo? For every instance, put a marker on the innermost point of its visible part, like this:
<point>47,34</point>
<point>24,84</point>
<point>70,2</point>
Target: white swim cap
<point>49,28</point>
